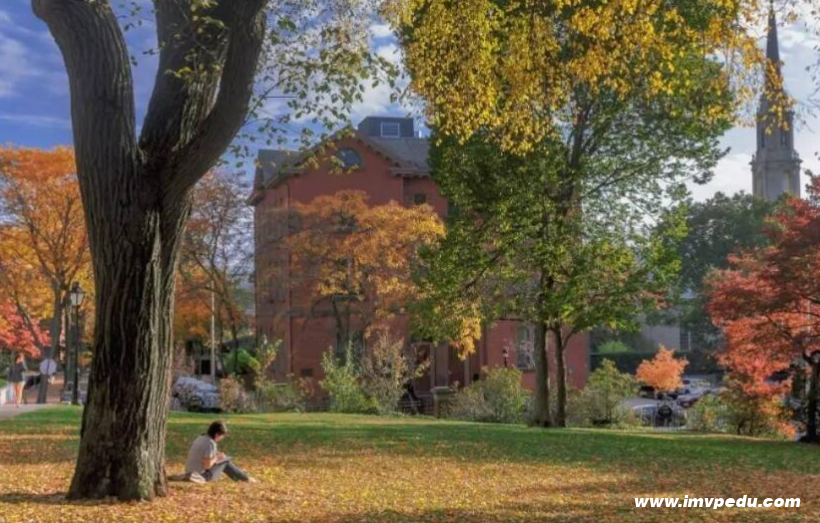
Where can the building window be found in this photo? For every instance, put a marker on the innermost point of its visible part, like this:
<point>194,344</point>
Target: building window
<point>685,339</point>
<point>390,130</point>
<point>525,347</point>
<point>419,198</point>
<point>349,159</point>
<point>784,139</point>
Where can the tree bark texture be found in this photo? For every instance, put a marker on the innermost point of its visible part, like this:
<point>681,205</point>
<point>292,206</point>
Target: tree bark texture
<point>135,194</point>
<point>812,403</point>
<point>542,415</point>
<point>561,377</point>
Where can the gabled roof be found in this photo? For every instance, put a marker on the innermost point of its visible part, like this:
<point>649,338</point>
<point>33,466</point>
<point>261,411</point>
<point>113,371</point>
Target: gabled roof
<point>407,156</point>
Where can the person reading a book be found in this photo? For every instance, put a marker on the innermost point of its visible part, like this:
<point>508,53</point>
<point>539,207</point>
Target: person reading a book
<point>205,462</point>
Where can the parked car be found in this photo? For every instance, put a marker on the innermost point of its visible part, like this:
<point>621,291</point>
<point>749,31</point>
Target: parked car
<point>646,392</point>
<point>195,395</point>
<point>687,400</point>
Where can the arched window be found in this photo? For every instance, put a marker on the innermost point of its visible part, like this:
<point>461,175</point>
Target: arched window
<point>349,158</point>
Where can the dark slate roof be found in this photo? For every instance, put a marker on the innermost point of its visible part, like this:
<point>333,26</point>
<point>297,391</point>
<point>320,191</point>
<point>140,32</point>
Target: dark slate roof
<point>413,151</point>
<point>408,155</point>
<point>272,162</point>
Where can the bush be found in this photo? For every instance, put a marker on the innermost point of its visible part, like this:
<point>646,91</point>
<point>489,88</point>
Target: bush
<point>612,347</point>
<point>498,398</point>
<point>247,364</point>
<point>343,385</point>
<point>281,397</point>
<point>233,398</point>
<point>737,412</point>
<point>709,414</point>
<point>385,373</point>
<point>605,391</point>
<point>265,354</point>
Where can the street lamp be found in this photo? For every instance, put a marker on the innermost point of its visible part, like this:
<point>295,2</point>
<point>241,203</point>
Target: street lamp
<point>76,296</point>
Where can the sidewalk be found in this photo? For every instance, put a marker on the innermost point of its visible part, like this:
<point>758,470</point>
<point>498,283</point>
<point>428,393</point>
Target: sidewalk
<point>10,411</point>
<point>55,390</point>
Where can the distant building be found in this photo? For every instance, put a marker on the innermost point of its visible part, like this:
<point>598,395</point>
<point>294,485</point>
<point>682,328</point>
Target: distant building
<point>389,163</point>
<point>776,164</point>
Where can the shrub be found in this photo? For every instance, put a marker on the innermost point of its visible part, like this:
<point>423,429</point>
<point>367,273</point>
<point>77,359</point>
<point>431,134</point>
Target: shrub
<point>498,398</point>
<point>709,414</point>
<point>265,355</point>
<point>343,385</point>
<point>385,373</point>
<point>232,396</point>
<point>290,396</point>
<point>738,412</point>
<point>754,415</point>
<point>241,362</point>
<point>612,347</point>
<point>605,390</point>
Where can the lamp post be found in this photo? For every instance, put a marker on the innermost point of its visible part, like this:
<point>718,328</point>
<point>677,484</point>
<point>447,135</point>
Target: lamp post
<point>76,296</point>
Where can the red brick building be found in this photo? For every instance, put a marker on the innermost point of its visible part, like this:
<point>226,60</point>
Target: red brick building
<point>386,160</point>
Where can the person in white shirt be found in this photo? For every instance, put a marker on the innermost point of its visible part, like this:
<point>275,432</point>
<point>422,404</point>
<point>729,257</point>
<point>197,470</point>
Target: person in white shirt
<point>205,462</point>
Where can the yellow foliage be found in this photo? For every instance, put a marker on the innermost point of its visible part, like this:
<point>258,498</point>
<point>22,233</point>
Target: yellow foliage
<point>513,67</point>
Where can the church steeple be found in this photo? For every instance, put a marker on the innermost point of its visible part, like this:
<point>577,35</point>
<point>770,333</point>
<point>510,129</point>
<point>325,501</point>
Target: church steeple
<point>776,165</point>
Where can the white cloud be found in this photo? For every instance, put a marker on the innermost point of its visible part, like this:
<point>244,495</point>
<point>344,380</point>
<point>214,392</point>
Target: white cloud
<point>733,174</point>
<point>14,64</point>
<point>381,31</point>
<point>36,120</point>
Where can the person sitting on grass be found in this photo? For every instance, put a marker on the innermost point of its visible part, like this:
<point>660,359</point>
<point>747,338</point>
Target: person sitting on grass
<point>205,463</point>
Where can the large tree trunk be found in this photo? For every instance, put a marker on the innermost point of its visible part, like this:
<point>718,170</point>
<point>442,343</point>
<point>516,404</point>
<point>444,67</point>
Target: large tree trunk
<point>561,377</point>
<point>135,195</point>
<point>811,412</point>
<point>123,430</point>
<point>542,415</point>
<point>53,349</point>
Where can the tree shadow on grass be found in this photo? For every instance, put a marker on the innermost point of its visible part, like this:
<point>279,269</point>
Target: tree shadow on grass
<point>49,498</point>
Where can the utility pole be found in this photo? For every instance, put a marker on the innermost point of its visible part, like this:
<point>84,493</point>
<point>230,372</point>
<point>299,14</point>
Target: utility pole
<point>213,337</point>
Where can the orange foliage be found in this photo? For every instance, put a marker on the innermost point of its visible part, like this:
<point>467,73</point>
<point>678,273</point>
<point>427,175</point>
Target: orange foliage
<point>663,372</point>
<point>346,248</point>
<point>43,242</point>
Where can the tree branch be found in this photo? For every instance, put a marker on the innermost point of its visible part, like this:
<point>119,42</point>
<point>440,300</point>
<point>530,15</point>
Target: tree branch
<point>214,135</point>
<point>99,74</point>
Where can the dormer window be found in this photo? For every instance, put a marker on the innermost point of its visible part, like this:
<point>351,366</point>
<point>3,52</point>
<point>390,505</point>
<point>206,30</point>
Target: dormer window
<point>390,130</point>
<point>349,158</point>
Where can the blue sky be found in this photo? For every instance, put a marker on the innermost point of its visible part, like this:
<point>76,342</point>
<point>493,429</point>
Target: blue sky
<point>34,95</point>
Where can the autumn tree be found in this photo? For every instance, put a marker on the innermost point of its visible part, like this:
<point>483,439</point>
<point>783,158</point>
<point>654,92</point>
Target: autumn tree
<point>663,372</point>
<point>768,304</point>
<point>18,333</point>
<point>217,249</point>
<point>44,231</point>
<point>607,108</point>
<point>136,177</point>
<point>358,260</point>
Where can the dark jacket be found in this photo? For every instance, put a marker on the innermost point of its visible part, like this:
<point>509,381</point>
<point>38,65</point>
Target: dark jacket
<point>16,372</point>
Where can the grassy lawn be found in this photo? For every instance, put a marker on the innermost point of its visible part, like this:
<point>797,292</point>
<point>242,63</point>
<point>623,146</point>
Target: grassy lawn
<point>333,468</point>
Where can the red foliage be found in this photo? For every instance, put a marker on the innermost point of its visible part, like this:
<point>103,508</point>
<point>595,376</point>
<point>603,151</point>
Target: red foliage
<point>768,301</point>
<point>18,334</point>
